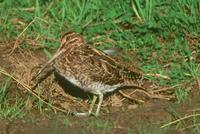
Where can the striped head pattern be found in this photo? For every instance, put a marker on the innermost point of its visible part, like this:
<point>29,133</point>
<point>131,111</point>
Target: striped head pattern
<point>70,39</point>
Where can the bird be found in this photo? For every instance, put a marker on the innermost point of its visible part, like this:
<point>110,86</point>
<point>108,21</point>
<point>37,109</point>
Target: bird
<point>90,69</point>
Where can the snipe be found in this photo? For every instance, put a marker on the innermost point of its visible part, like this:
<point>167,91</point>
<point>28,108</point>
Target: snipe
<point>90,69</point>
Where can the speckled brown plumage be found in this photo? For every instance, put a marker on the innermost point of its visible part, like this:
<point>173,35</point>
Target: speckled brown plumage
<point>90,69</point>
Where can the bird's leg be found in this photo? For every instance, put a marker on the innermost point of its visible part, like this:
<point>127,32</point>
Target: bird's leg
<point>92,104</point>
<point>90,109</point>
<point>99,104</point>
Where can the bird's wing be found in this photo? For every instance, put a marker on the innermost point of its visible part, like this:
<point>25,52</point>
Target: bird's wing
<point>100,67</point>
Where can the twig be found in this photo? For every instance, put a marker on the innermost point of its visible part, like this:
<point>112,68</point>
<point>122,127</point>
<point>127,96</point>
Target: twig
<point>190,126</point>
<point>198,80</point>
<point>164,97</point>
<point>178,120</point>
<point>159,76</point>
<point>130,98</point>
<point>128,94</point>
<point>157,96</point>
<point>194,110</point>
<point>29,89</point>
<point>16,41</point>
<point>166,88</point>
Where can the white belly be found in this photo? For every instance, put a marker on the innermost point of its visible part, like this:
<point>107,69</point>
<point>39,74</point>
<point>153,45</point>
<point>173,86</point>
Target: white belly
<point>94,87</point>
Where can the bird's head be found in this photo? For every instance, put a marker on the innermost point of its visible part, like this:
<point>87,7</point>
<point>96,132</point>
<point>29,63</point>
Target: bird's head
<point>71,38</point>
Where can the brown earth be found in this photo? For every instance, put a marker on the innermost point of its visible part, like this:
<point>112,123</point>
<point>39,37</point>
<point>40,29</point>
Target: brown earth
<point>118,114</point>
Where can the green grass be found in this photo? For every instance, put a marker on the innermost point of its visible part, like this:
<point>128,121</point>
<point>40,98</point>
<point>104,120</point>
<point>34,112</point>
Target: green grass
<point>10,109</point>
<point>161,33</point>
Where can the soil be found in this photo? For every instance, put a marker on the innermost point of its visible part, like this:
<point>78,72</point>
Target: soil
<point>118,114</point>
